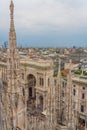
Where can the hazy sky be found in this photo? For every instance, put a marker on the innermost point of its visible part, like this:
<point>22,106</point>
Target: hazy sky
<point>46,22</point>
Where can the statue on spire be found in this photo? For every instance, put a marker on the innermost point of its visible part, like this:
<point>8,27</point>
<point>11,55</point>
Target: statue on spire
<point>12,7</point>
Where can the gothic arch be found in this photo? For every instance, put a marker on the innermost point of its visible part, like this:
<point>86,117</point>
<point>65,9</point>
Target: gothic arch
<point>31,71</point>
<point>31,81</point>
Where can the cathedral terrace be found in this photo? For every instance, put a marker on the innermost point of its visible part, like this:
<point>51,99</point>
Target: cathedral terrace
<point>41,90</point>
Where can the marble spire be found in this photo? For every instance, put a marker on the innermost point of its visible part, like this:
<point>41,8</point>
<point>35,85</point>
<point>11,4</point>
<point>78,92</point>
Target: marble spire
<point>12,34</point>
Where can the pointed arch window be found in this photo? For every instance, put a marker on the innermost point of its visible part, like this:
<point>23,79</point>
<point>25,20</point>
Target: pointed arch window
<point>82,108</point>
<point>83,95</point>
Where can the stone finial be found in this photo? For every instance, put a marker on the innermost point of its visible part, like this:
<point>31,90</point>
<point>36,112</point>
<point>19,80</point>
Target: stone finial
<point>12,7</point>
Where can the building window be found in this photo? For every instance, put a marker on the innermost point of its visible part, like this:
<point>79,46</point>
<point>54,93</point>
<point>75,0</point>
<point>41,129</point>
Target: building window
<point>74,92</point>
<point>55,82</point>
<point>74,85</point>
<point>83,88</point>
<point>41,81</point>
<point>62,93</point>
<point>82,108</point>
<point>83,95</point>
<point>48,81</point>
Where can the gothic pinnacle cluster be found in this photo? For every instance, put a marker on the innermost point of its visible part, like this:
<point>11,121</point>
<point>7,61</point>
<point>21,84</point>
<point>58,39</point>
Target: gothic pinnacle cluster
<point>13,72</point>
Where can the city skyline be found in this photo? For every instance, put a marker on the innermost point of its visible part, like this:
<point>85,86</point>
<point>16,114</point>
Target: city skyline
<point>47,23</point>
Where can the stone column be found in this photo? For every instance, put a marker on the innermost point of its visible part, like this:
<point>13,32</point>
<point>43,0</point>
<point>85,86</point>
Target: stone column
<point>44,102</point>
<point>32,86</point>
<point>37,102</point>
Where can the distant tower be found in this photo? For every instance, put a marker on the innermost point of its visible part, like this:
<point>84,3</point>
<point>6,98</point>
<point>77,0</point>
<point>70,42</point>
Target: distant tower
<point>13,75</point>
